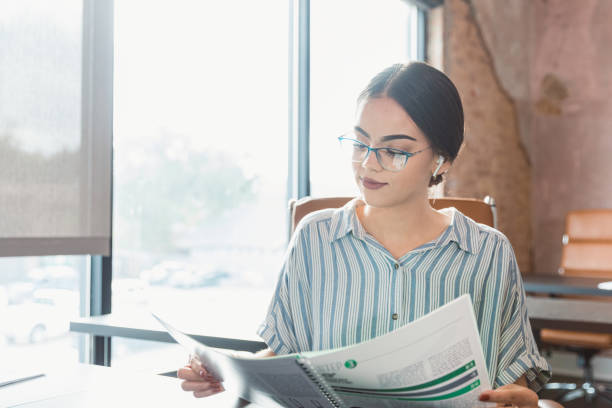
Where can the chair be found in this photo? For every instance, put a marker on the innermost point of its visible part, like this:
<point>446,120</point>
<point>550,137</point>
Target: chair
<point>587,252</point>
<point>483,211</point>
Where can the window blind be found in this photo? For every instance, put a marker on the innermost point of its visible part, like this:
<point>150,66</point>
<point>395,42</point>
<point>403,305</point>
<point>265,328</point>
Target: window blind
<point>56,84</point>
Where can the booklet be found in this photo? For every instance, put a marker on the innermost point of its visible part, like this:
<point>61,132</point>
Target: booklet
<point>435,361</point>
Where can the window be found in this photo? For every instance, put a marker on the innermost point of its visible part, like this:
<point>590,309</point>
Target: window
<point>38,297</point>
<point>200,161</point>
<point>351,41</point>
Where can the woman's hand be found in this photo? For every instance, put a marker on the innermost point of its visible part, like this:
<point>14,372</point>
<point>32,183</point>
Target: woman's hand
<point>511,395</point>
<point>198,380</point>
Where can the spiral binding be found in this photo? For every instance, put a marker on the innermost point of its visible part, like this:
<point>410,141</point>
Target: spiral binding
<point>324,387</point>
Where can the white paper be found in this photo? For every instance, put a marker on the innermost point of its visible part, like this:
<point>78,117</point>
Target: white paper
<point>435,361</point>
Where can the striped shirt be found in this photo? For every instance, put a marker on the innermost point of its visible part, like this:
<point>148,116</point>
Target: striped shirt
<point>338,286</point>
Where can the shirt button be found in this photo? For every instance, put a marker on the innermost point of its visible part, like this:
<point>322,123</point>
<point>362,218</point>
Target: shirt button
<point>394,316</point>
<point>396,266</point>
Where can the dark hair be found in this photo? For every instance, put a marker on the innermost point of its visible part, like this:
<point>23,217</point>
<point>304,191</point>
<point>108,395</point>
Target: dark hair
<point>431,100</point>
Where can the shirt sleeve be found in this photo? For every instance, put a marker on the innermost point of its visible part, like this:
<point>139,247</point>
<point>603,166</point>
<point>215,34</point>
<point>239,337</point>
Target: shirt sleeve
<point>286,324</point>
<point>518,351</point>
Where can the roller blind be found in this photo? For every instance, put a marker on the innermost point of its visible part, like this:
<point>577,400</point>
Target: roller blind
<point>56,65</point>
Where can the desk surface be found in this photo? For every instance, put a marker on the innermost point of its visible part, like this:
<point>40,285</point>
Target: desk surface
<point>553,313</point>
<point>570,314</point>
<point>141,325</point>
<point>81,385</point>
<point>565,285</point>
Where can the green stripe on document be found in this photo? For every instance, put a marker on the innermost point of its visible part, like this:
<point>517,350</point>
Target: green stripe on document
<point>453,394</point>
<point>435,381</point>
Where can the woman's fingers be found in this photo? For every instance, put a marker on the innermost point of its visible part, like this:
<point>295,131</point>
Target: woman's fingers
<point>197,367</point>
<point>201,394</point>
<point>186,373</point>
<point>202,389</point>
<point>198,380</point>
<point>200,385</point>
<point>511,394</point>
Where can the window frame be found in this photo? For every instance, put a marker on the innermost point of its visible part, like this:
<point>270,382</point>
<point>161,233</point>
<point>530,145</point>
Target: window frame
<point>98,68</point>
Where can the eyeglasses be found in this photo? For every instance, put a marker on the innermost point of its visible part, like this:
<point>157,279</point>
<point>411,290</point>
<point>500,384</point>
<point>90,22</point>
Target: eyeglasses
<point>389,158</point>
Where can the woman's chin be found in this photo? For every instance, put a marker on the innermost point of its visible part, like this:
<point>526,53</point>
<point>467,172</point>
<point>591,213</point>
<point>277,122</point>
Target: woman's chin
<point>374,199</point>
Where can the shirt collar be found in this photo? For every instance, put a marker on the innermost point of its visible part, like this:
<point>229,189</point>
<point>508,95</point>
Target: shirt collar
<point>462,230</point>
<point>344,221</point>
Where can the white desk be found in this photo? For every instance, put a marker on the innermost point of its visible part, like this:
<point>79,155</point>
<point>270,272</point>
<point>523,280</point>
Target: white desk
<point>81,385</point>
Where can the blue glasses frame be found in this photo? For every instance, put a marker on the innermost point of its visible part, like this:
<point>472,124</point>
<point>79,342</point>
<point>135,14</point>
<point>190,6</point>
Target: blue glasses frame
<point>377,150</point>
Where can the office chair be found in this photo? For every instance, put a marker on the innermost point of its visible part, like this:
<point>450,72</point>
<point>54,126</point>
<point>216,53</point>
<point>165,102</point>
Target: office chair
<point>482,211</point>
<point>587,252</point>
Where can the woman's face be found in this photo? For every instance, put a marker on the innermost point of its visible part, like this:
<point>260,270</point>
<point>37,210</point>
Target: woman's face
<point>382,122</point>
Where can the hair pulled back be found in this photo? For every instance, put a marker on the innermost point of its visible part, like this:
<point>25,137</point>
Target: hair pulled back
<point>430,99</point>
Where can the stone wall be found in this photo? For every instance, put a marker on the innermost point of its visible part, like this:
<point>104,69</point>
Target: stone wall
<point>493,160</point>
<point>536,80</point>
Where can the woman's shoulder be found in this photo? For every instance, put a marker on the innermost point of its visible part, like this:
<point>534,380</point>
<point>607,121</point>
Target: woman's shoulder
<point>490,246</point>
<point>482,235</point>
<point>325,222</point>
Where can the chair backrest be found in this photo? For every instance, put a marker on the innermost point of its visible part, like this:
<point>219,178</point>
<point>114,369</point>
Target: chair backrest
<point>482,211</point>
<point>587,244</point>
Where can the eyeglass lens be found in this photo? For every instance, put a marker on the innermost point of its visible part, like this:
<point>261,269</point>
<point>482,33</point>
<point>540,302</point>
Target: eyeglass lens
<point>387,158</point>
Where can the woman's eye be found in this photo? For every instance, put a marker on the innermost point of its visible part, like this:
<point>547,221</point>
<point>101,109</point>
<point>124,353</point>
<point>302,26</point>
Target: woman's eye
<point>392,152</point>
<point>358,146</point>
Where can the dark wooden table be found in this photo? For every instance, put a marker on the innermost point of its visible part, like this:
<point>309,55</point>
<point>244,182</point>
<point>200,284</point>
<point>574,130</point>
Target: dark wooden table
<point>565,285</point>
<point>548,309</point>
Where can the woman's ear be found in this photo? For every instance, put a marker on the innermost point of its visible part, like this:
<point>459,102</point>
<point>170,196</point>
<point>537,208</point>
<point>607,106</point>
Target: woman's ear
<point>442,165</point>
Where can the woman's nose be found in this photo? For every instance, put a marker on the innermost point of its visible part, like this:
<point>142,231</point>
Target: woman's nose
<point>370,161</point>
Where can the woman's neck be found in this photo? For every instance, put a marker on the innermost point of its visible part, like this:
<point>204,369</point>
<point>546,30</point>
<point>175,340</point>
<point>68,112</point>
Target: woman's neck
<point>403,227</point>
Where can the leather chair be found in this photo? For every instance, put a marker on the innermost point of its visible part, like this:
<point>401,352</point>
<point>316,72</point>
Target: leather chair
<point>587,252</point>
<point>483,211</point>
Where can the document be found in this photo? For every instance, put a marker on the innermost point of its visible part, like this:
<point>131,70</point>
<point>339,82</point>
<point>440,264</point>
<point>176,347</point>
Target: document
<point>435,361</point>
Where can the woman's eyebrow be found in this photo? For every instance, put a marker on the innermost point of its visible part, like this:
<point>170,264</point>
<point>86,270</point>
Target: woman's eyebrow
<point>385,138</point>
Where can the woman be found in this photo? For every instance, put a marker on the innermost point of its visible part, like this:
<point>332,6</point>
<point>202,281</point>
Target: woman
<point>387,258</point>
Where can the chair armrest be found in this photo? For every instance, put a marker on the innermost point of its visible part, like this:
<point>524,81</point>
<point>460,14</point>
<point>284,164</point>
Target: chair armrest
<point>545,403</point>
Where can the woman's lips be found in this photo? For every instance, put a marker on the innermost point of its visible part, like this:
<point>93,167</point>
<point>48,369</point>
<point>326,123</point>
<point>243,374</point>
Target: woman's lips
<point>372,184</point>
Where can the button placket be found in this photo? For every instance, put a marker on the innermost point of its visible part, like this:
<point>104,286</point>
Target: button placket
<point>400,278</point>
